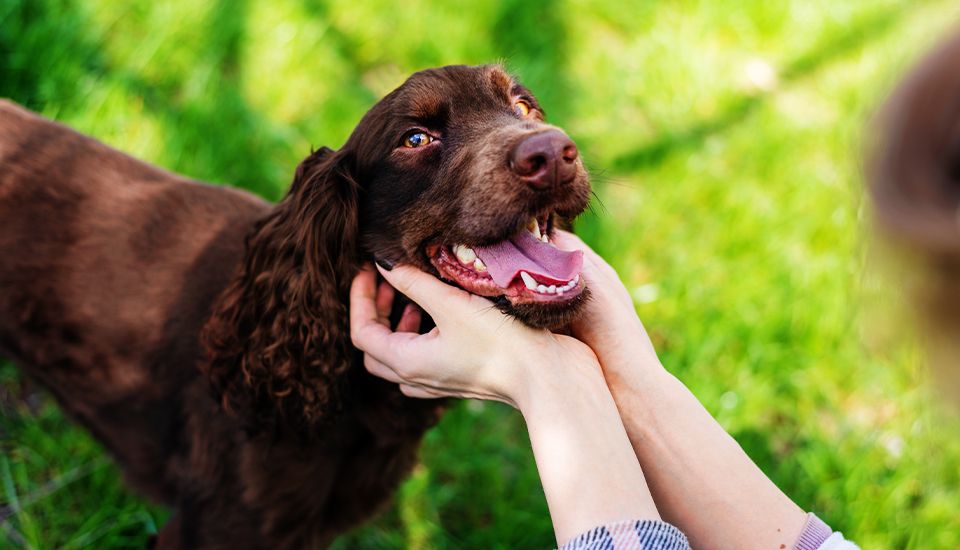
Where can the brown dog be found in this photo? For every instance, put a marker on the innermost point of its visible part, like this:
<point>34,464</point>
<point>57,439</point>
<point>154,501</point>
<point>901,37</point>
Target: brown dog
<point>118,280</point>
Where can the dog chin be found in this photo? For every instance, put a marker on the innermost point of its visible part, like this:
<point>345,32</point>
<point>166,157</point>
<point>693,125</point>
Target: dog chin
<point>551,316</point>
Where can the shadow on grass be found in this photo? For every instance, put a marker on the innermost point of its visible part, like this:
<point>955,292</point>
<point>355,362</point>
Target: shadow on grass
<point>835,46</point>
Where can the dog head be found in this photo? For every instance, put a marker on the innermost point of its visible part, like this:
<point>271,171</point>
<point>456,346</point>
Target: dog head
<point>458,173</point>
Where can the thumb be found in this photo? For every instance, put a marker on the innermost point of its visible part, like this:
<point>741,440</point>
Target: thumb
<point>430,293</point>
<point>595,268</point>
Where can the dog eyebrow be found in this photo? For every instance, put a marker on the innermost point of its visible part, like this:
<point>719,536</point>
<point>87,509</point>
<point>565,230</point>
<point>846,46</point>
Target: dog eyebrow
<point>426,107</point>
<point>502,81</point>
<point>518,90</point>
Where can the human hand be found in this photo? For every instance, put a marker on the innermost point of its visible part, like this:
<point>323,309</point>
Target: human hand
<point>609,323</point>
<point>475,351</point>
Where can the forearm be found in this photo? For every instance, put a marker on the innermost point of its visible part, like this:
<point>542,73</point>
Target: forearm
<point>588,469</point>
<point>701,479</point>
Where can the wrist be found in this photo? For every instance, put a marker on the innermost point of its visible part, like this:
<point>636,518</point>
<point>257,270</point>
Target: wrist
<point>560,386</point>
<point>589,471</point>
<point>640,390</point>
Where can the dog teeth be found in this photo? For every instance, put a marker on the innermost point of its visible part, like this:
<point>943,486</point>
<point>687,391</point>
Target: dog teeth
<point>532,284</point>
<point>528,280</point>
<point>544,238</point>
<point>468,257</point>
<point>465,254</point>
<point>534,227</point>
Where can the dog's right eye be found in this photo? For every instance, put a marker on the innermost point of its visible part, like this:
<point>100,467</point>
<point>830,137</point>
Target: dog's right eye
<point>522,108</point>
<point>416,139</point>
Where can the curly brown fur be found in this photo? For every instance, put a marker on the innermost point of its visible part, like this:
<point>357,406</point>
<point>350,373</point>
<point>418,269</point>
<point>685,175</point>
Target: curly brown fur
<point>140,295</point>
<point>279,339</point>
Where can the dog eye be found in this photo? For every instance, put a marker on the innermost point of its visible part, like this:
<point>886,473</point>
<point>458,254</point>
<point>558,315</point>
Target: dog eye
<point>521,107</point>
<point>416,139</point>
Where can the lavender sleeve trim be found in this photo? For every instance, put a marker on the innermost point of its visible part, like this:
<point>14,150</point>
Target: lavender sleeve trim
<point>815,533</point>
<point>631,535</point>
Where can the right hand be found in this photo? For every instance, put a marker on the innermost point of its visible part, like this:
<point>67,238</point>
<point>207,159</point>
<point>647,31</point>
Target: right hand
<point>609,324</point>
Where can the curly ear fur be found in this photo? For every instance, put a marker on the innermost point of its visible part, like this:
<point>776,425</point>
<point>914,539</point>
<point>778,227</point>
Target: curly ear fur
<point>278,340</point>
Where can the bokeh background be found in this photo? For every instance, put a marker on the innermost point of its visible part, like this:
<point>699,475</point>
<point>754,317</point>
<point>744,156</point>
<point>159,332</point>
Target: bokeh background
<point>727,143</point>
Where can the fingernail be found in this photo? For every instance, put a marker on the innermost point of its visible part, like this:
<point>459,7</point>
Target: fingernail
<point>386,264</point>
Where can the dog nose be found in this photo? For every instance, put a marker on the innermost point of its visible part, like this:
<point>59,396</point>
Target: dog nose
<point>545,159</point>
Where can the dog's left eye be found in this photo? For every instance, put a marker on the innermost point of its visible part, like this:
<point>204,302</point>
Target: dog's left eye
<point>521,107</point>
<point>416,139</point>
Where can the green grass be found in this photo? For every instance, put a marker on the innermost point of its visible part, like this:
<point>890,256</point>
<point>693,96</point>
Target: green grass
<point>734,213</point>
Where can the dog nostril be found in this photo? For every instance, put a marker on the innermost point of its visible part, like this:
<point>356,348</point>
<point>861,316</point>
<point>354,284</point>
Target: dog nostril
<point>535,163</point>
<point>528,165</point>
<point>545,159</point>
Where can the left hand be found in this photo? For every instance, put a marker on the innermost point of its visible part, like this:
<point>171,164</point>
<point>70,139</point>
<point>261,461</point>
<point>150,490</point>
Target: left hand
<point>589,472</point>
<point>475,351</point>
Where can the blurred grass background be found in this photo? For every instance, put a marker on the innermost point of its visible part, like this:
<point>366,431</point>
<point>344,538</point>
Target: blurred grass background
<point>726,142</point>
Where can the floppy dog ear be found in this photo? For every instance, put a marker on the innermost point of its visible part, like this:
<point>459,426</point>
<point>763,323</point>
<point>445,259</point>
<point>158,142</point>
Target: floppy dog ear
<point>278,340</point>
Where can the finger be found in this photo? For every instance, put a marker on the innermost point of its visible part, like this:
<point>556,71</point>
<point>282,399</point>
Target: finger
<point>380,370</point>
<point>409,350</point>
<point>410,320</point>
<point>363,294</point>
<point>433,295</point>
<point>412,351</point>
<point>419,392</point>
<point>568,241</point>
<point>564,240</point>
<point>385,295</point>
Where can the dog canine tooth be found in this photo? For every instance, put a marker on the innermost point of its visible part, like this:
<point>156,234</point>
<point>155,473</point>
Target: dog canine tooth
<point>534,227</point>
<point>465,254</point>
<point>528,280</point>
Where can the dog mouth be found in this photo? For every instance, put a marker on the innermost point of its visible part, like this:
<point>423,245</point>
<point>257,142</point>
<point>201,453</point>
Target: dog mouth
<point>525,268</point>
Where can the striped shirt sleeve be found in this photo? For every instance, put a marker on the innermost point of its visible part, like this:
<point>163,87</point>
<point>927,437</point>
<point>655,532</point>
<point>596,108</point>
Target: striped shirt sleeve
<point>659,535</point>
<point>630,535</point>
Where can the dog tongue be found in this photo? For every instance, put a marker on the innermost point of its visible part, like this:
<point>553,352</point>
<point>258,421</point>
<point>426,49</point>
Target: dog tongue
<point>524,252</point>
